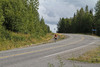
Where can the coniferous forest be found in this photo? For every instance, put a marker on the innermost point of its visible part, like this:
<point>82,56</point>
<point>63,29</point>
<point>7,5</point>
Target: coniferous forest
<point>83,21</point>
<point>20,21</point>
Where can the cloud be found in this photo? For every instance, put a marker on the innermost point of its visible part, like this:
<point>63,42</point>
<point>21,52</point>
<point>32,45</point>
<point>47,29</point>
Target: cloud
<point>53,10</point>
<point>53,27</point>
<point>90,3</point>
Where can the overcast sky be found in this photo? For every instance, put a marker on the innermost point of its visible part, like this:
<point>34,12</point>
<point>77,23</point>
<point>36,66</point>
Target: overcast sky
<point>53,10</point>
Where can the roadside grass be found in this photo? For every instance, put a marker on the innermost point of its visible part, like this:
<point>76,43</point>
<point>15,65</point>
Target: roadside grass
<point>92,56</point>
<point>61,36</point>
<point>19,40</point>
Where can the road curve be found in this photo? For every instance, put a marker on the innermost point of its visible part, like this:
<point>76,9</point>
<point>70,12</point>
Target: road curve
<point>39,56</point>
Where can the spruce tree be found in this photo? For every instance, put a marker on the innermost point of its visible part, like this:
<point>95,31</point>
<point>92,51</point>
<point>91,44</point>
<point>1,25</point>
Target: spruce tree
<point>97,17</point>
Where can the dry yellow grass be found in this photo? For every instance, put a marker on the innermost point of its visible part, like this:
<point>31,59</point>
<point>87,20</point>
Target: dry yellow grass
<point>20,40</point>
<point>92,56</point>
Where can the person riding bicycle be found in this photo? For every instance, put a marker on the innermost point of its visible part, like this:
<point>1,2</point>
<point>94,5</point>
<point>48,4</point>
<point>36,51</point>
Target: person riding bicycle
<point>55,36</point>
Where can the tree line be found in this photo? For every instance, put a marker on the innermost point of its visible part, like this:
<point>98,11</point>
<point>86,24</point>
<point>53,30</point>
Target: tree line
<point>83,21</point>
<point>21,16</point>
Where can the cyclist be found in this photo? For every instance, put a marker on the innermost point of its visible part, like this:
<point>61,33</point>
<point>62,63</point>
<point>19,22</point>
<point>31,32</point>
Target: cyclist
<point>55,37</point>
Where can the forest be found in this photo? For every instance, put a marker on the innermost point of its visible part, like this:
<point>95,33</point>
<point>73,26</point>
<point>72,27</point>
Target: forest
<point>20,22</point>
<point>21,16</point>
<point>83,21</point>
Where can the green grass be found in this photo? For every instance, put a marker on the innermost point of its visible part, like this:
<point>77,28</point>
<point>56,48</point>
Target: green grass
<point>92,56</point>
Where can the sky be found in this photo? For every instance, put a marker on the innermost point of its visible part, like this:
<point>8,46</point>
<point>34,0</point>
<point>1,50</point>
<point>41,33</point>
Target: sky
<point>53,10</point>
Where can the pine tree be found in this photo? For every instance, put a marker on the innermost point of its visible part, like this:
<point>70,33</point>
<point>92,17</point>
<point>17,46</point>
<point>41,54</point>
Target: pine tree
<point>97,17</point>
<point>1,16</point>
<point>81,22</point>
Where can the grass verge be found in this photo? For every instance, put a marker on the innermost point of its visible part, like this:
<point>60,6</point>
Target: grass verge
<point>92,56</point>
<point>19,40</point>
<point>61,36</point>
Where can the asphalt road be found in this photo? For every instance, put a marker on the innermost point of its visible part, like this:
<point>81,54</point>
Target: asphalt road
<point>40,56</point>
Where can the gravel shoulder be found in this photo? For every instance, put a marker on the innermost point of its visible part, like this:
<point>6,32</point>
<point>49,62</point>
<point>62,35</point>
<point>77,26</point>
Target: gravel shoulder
<point>80,51</point>
<point>77,53</point>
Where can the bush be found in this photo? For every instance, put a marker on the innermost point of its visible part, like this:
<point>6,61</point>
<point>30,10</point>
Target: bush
<point>5,35</point>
